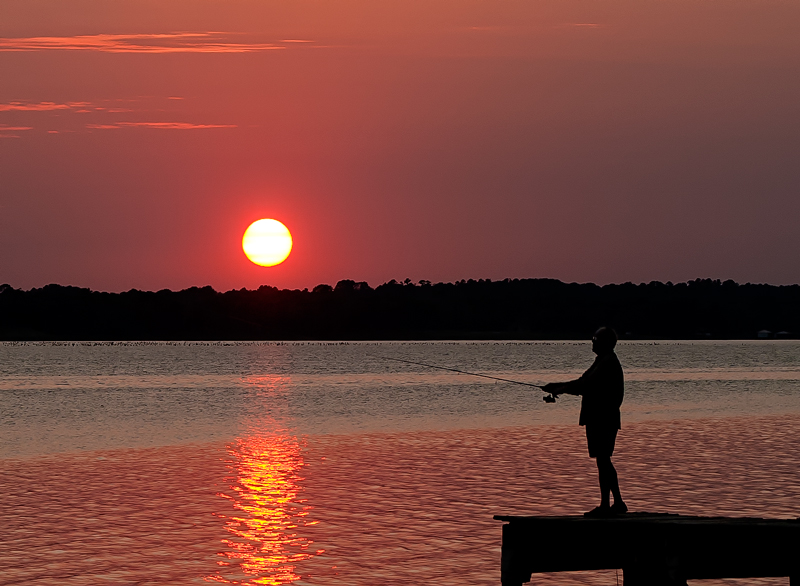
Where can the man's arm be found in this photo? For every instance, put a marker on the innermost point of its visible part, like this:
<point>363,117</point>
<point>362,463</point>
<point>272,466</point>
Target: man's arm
<point>573,387</point>
<point>580,385</point>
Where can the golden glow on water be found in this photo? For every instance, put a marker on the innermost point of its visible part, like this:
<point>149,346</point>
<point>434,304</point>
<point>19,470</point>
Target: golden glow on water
<point>267,542</point>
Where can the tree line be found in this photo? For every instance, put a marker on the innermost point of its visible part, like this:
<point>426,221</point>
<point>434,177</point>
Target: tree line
<point>467,309</point>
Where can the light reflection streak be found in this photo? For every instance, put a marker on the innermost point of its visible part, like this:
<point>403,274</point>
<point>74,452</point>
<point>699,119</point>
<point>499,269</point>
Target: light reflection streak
<point>266,543</point>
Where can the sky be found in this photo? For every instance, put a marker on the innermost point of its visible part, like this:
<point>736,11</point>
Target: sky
<point>583,140</point>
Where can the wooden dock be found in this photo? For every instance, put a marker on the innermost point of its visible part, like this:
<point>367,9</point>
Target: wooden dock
<point>651,549</point>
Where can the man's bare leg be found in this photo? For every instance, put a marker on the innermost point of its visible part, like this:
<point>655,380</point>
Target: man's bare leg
<point>609,483</point>
<point>603,476</point>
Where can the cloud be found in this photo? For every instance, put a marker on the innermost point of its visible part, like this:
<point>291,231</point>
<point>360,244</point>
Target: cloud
<point>82,107</point>
<point>33,106</point>
<point>581,25</point>
<point>104,109</point>
<point>5,130</point>
<point>162,125</point>
<point>198,42</point>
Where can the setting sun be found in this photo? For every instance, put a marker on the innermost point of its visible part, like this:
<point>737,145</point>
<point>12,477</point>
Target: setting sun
<point>267,242</point>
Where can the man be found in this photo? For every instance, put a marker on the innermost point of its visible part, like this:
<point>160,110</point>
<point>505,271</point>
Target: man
<point>602,388</point>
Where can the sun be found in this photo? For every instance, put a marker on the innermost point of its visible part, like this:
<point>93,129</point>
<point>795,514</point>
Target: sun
<point>267,242</point>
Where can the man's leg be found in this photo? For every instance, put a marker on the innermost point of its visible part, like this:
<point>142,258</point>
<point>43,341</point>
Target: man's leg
<point>602,473</point>
<point>611,483</point>
<point>603,464</point>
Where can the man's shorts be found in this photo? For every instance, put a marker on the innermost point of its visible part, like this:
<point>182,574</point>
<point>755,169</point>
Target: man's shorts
<point>601,440</point>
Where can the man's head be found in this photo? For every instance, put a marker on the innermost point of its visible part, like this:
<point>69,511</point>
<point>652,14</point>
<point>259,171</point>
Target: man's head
<point>604,341</point>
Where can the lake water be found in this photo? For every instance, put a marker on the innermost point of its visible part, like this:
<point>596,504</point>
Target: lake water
<point>325,463</point>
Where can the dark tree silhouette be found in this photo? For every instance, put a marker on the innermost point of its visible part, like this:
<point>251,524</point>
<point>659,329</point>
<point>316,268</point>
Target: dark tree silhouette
<point>482,309</point>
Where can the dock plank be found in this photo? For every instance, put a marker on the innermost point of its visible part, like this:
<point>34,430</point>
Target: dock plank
<point>652,549</point>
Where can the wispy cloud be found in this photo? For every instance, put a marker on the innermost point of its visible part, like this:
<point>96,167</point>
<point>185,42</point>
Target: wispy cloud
<point>581,25</point>
<point>493,29</point>
<point>36,106</point>
<point>103,114</point>
<point>8,131</point>
<point>162,125</point>
<point>52,106</point>
<point>183,42</point>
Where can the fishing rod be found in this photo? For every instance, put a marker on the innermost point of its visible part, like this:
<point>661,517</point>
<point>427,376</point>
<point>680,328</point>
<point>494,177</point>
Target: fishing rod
<point>549,399</point>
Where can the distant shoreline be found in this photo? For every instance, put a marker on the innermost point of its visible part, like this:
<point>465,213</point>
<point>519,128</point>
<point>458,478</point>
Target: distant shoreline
<point>498,341</point>
<point>508,310</point>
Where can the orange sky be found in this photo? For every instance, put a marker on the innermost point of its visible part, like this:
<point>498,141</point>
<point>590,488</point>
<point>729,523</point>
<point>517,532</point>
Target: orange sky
<point>600,140</point>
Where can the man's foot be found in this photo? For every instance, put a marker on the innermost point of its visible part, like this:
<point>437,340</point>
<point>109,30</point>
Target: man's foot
<point>619,508</point>
<point>601,511</point>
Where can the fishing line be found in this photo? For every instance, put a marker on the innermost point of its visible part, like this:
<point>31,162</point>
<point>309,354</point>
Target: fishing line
<point>505,380</point>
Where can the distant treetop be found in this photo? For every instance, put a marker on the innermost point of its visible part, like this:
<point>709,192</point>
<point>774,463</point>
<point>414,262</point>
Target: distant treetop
<point>352,310</point>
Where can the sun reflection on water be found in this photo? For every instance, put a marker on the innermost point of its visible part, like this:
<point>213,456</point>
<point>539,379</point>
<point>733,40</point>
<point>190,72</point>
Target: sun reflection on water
<point>265,546</point>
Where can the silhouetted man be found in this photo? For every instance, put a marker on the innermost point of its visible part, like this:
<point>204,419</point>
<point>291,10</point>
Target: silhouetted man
<point>602,388</point>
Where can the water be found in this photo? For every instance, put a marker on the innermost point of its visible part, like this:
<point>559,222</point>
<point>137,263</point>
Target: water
<point>314,463</point>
